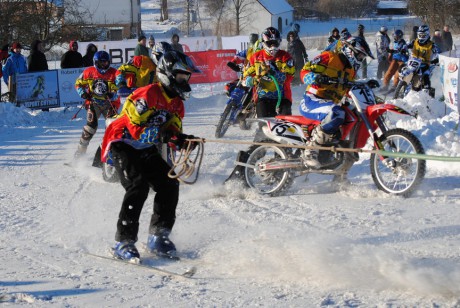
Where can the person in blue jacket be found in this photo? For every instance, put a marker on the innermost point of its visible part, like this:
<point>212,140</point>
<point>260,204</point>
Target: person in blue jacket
<point>15,64</point>
<point>398,56</point>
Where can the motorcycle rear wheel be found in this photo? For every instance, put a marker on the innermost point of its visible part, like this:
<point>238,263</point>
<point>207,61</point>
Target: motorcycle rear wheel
<point>271,183</point>
<point>406,173</point>
<point>226,119</point>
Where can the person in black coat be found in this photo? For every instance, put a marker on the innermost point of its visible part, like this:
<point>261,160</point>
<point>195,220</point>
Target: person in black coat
<point>91,49</point>
<point>447,39</point>
<point>72,58</point>
<point>297,50</point>
<point>36,61</point>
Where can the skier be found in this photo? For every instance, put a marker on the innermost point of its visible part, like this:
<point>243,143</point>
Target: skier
<point>96,85</point>
<point>268,61</point>
<point>424,49</point>
<point>326,78</point>
<point>399,55</point>
<point>382,44</point>
<point>150,113</point>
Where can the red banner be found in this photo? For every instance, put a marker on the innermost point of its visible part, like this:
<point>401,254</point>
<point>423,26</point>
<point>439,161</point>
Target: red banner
<point>213,66</point>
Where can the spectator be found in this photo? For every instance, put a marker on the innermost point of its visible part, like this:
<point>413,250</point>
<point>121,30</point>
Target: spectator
<point>3,56</point>
<point>382,44</point>
<point>446,39</point>
<point>296,29</point>
<point>15,64</point>
<point>141,48</point>
<point>36,61</point>
<point>335,36</point>
<point>151,42</point>
<point>72,58</point>
<point>175,43</point>
<point>398,57</point>
<point>360,34</point>
<point>91,49</point>
<point>437,39</point>
<point>297,50</point>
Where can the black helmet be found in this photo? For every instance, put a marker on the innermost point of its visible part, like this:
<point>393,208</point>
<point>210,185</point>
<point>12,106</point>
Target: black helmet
<point>174,70</point>
<point>101,61</point>
<point>271,40</point>
<point>356,50</point>
<point>159,49</point>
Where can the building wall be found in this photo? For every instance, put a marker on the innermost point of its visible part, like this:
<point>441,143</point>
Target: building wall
<point>113,13</point>
<point>261,19</point>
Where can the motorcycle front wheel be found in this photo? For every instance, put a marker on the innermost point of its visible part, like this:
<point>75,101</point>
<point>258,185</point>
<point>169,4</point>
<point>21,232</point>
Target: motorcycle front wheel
<point>271,183</point>
<point>398,175</point>
<point>226,119</point>
<point>400,89</point>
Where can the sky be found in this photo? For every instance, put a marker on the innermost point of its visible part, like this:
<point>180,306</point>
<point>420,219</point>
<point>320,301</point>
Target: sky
<point>318,245</point>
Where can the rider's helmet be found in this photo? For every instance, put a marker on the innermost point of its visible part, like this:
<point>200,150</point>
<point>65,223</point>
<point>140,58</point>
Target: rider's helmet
<point>398,35</point>
<point>159,49</point>
<point>253,37</point>
<point>101,61</point>
<point>271,40</point>
<point>383,29</point>
<point>423,34</point>
<point>174,70</point>
<point>356,50</point>
<point>345,34</point>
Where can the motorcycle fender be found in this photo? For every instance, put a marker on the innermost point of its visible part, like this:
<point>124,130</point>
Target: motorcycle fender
<point>374,111</point>
<point>284,132</point>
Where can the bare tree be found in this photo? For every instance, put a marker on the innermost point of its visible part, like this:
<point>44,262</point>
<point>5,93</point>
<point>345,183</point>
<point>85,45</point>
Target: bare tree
<point>436,13</point>
<point>242,12</point>
<point>164,10</point>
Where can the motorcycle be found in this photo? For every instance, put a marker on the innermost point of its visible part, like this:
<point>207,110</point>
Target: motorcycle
<point>239,107</point>
<point>411,78</point>
<point>270,169</point>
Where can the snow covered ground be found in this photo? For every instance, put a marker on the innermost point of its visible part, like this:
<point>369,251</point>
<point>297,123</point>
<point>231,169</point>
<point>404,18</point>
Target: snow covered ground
<point>315,246</point>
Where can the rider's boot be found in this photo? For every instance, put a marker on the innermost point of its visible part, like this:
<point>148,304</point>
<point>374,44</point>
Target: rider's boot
<point>318,138</point>
<point>81,150</point>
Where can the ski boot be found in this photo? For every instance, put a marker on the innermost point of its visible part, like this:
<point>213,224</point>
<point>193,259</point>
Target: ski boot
<point>160,244</point>
<point>126,250</point>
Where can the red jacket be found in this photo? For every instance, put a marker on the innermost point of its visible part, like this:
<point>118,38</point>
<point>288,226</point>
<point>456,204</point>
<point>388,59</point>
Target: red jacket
<point>135,124</point>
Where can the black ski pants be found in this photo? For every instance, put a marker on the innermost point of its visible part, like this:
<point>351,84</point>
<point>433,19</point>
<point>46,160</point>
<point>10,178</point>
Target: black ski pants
<point>140,169</point>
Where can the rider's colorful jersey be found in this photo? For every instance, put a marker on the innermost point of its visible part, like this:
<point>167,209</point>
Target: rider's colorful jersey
<point>138,72</point>
<point>427,52</point>
<point>96,84</point>
<point>333,65</point>
<point>134,124</point>
<point>282,70</point>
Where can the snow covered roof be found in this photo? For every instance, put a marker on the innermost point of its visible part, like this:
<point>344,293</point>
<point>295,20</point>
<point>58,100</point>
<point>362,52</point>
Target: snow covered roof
<point>392,5</point>
<point>276,7</point>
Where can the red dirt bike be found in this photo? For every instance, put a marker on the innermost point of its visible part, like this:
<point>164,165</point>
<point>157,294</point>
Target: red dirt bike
<point>270,169</point>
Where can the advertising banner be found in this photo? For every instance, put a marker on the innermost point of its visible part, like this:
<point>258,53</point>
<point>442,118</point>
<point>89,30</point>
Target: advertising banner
<point>213,66</point>
<point>38,89</point>
<point>67,93</point>
<point>449,77</point>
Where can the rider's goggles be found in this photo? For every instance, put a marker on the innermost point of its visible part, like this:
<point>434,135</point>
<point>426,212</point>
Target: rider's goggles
<point>273,43</point>
<point>182,77</point>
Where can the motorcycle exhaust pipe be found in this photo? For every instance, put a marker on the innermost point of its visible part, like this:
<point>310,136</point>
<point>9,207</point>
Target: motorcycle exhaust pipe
<point>280,165</point>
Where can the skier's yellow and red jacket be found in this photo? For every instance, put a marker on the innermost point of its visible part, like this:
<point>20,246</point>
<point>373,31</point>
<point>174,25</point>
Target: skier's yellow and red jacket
<point>131,126</point>
<point>259,66</point>
<point>138,72</point>
<point>334,65</point>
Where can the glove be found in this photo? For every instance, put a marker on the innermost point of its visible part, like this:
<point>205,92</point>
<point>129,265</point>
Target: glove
<point>373,84</point>
<point>251,81</point>
<point>178,142</point>
<point>322,79</point>
<point>235,67</point>
<point>110,95</point>
<point>86,96</point>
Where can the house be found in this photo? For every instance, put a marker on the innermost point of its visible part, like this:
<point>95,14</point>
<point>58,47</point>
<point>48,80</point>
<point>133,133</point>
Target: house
<point>269,13</point>
<point>392,7</point>
<point>120,19</point>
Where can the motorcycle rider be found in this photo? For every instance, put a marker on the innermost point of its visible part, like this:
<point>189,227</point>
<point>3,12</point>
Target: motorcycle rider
<point>138,72</point>
<point>424,49</point>
<point>268,61</point>
<point>96,85</point>
<point>326,78</point>
<point>398,54</point>
<point>150,113</point>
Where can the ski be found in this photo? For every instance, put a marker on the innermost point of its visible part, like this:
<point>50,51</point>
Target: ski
<point>187,274</point>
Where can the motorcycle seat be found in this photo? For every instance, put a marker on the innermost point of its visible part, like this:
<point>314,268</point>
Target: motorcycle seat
<point>298,119</point>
